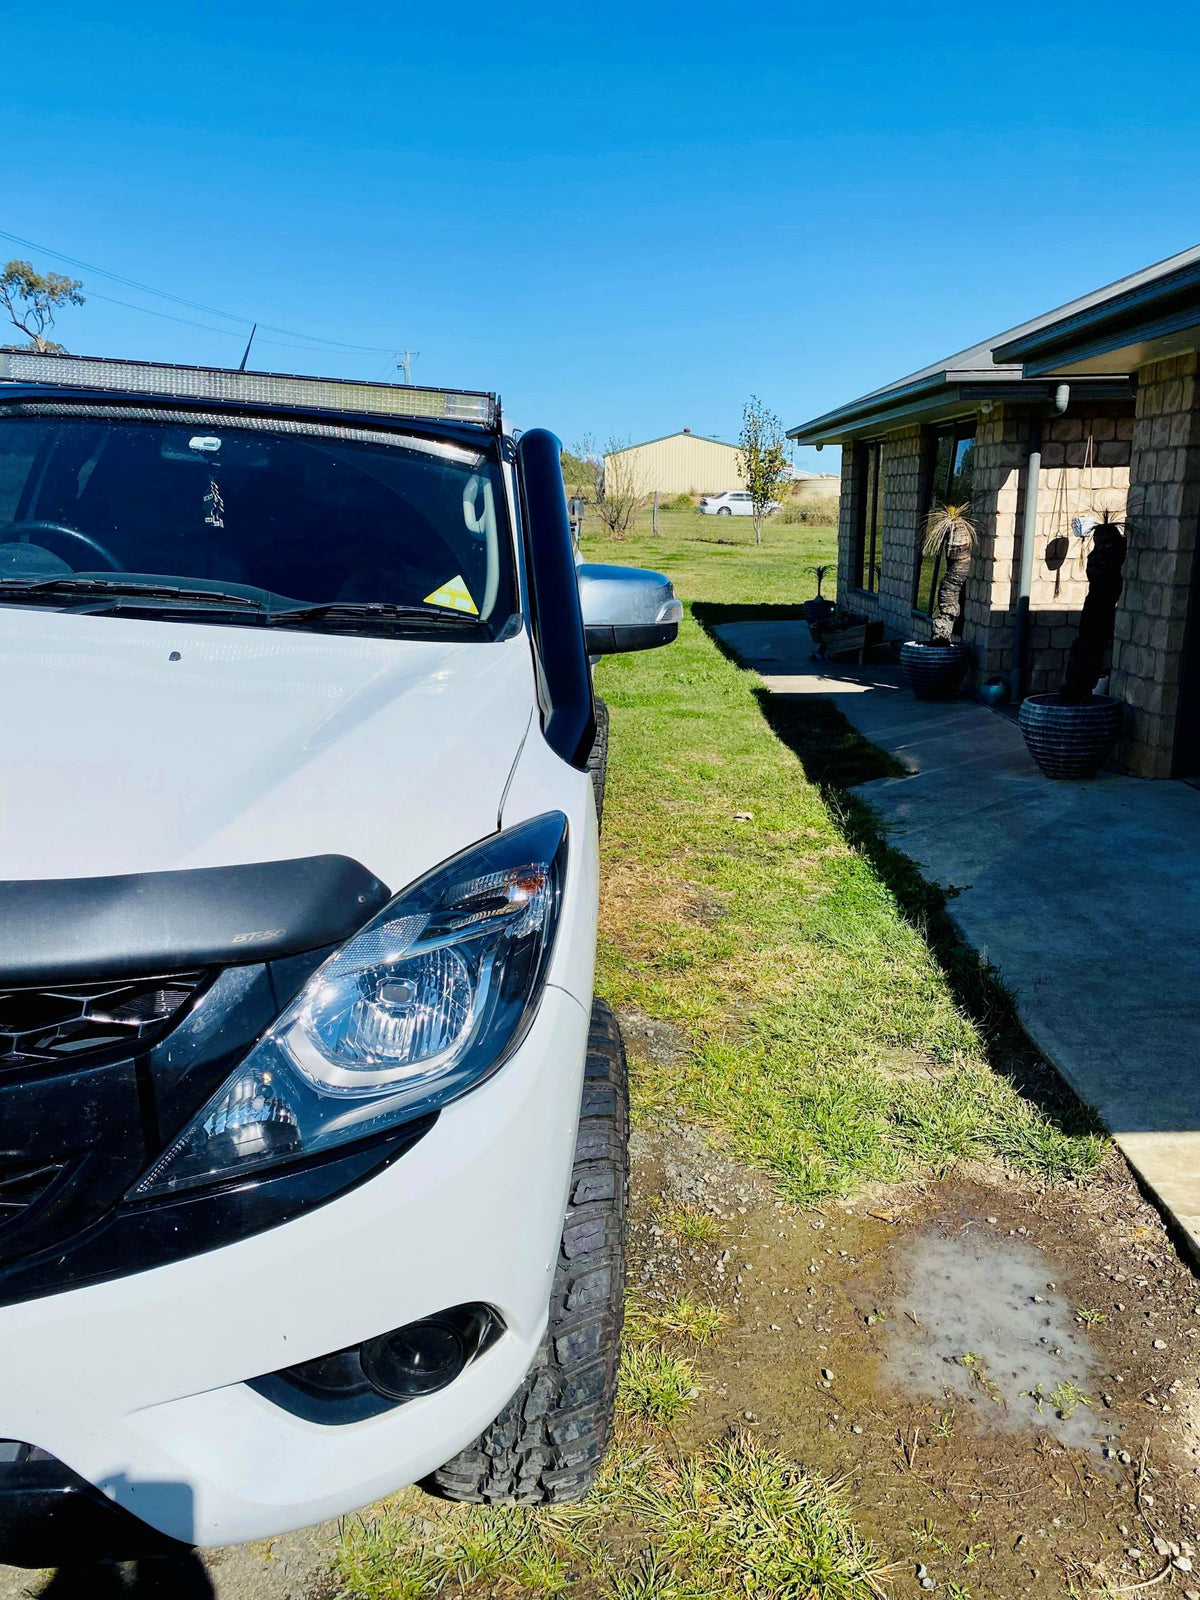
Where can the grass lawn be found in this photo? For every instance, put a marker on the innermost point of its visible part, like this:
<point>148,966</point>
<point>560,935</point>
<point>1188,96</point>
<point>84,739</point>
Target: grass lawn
<point>715,558</point>
<point>838,1033</point>
<point>833,1033</point>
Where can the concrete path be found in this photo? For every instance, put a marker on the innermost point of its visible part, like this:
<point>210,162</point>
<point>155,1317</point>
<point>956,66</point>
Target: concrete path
<point>1084,896</point>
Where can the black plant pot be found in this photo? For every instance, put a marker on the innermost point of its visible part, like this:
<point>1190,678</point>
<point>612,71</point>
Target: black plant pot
<point>934,671</point>
<point>1070,741</point>
<point>818,610</point>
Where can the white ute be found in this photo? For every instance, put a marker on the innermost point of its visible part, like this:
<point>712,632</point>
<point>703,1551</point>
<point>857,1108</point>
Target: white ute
<point>313,1169</point>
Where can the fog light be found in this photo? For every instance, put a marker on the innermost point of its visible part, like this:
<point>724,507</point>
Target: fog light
<point>418,1359</point>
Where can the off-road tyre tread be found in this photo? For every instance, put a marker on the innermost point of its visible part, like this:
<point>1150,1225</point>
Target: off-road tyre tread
<point>598,759</point>
<point>546,1446</point>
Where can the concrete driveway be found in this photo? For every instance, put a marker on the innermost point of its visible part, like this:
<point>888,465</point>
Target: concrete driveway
<point>1085,896</point>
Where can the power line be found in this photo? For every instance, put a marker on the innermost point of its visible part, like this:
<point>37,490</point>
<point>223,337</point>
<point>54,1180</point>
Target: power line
<point>192,305</point>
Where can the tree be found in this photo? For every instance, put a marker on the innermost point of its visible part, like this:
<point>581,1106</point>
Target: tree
<point>618,486</point>
<point>762,460</point>
<point>32,298</point>
<point>949,532</point>
<point>578,477</point>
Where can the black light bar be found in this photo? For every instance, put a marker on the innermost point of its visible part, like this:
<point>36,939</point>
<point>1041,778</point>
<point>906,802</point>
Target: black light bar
<point>259,388</point>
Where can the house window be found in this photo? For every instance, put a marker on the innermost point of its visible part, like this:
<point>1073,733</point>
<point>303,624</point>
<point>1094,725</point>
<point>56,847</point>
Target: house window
<point>948,482</point>
<point>868,533</point>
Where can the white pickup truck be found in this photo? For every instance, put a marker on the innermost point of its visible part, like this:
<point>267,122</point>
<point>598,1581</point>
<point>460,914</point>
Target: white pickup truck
<point>313,1156</point>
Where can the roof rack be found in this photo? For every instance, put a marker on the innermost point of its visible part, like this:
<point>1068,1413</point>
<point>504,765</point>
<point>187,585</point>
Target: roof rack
<point>257,388</point>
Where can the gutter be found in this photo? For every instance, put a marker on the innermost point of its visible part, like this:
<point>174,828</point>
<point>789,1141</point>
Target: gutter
<point>937,402</point>
<point>1149,308</point>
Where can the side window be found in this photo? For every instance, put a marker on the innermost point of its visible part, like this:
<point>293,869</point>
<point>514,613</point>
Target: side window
<point>949,471</point>
<point>868,532</point>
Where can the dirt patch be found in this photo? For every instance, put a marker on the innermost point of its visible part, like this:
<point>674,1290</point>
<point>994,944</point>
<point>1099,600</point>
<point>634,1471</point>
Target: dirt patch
<point>1005,1376</point>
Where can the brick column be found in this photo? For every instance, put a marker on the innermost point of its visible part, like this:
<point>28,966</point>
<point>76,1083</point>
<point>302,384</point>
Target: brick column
<point>1164,505</point>
<point>1001,451</point>
<point>902,460</point>
<point>847,524</point>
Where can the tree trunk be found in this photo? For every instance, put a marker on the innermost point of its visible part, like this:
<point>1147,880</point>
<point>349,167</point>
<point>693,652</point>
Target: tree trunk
<point>949,595</point>
<point>654,515</point>
<point>1096,625</point>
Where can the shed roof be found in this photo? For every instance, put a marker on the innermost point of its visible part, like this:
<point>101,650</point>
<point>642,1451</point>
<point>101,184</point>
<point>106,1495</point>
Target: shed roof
<point>680,433</point>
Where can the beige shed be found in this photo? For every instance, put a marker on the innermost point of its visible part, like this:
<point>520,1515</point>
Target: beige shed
<point>678,463</point>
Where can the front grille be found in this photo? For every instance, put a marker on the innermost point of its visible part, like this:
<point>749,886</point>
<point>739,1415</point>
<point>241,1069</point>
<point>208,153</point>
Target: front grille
<point>45,1025</point>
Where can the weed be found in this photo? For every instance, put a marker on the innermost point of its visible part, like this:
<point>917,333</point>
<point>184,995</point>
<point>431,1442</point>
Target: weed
<point>1090,1319</point>
<point>1066,1398</point>
<point>689,1225</point>
<point>681,1316</point>
<point>655,1387</point>
<point>977,1367</point>
<point>927,1537</point>
<point>735,1522</point>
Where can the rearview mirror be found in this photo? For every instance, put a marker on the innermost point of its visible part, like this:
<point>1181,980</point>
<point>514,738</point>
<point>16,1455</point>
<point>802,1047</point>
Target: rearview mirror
<point>626,608</point>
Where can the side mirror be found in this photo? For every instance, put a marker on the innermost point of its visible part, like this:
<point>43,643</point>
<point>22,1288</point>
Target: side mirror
<point>626,608</point>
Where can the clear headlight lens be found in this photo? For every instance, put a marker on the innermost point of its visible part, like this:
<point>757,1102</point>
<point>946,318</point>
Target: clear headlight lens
<point>418,1007</point>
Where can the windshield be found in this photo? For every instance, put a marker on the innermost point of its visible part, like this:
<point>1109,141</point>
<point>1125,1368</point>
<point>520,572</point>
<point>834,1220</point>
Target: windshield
<point>284,514</point>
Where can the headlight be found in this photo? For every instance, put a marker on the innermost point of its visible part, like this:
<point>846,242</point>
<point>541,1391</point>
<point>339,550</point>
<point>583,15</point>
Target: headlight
<point>418,1007</point>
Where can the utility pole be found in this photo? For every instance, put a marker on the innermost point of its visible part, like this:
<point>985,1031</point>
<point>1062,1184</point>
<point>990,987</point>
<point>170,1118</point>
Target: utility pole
<point>404,361</point>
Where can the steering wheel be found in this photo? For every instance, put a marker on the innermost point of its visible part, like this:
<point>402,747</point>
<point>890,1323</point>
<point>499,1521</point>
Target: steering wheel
<point>23,533</point>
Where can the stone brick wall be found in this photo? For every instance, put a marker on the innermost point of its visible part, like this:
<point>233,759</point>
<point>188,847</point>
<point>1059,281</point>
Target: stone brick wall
<point>902,467</point>
<point>1001,450</point>
<point>1164,505</point>
<point>1085,468</point>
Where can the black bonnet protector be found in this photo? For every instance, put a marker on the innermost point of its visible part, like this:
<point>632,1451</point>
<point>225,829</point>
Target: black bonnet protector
<point>59,930</point>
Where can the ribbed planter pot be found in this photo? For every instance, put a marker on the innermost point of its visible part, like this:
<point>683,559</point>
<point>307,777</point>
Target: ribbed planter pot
<point>934,671</point>
<point>1070,741</point>
<point>819,610</point>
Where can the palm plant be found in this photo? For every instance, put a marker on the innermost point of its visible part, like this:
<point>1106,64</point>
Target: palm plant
<point>950,533</point>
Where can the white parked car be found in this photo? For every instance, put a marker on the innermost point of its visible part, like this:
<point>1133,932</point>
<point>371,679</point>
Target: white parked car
<point>314,1159</point>
<point>733,503</point>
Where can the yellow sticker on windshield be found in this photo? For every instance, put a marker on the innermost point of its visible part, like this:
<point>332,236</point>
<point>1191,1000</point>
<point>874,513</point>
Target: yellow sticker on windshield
<point>453,593</point>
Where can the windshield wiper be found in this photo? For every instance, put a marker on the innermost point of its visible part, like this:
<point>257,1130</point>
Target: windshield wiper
<point>343,615</point>
<point>102,588</point>
<point>352,614</point>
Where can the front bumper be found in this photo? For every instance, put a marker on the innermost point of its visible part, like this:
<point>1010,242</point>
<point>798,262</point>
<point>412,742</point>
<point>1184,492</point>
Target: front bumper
<point>139,1385</point>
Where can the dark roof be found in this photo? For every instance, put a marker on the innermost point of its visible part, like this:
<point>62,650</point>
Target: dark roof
<point>989,370</point>
<point>1145,317</point>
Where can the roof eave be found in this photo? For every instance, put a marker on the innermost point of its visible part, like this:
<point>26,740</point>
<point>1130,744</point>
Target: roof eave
<point>936,402</point>
<point>1151,310</point>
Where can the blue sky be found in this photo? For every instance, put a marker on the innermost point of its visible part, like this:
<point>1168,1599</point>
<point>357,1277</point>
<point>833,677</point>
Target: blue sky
<point>625,218</point>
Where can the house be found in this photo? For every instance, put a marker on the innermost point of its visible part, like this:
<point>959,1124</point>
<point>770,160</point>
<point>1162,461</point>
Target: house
<point>678,463</point>
<point>1090,408</point>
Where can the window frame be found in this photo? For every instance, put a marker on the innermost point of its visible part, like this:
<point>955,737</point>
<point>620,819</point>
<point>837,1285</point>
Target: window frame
<point>959,430</point>
<point>868,519</point>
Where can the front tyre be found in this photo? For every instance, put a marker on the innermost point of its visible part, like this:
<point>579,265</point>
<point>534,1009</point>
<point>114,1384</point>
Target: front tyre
<point>546,1446</point>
